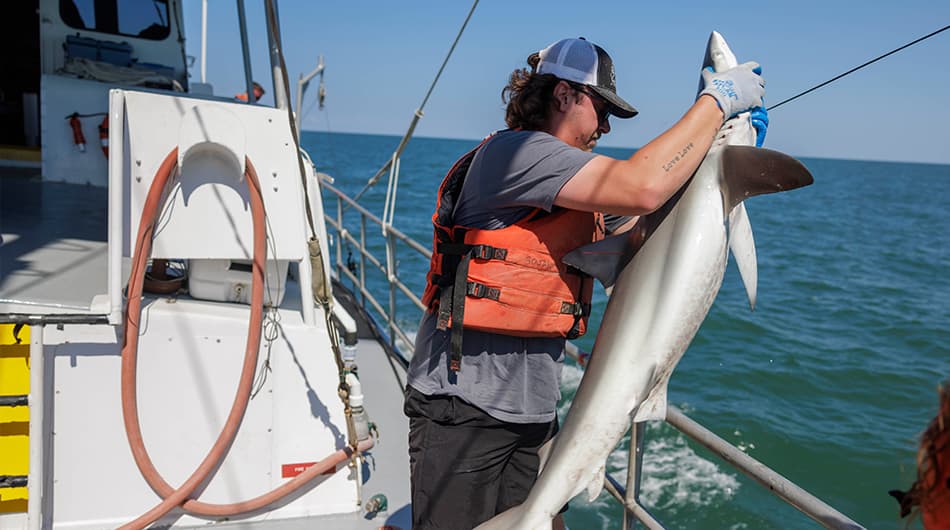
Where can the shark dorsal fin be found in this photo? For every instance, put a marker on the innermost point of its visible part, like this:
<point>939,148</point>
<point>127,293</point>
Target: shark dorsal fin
<point>749,171</point>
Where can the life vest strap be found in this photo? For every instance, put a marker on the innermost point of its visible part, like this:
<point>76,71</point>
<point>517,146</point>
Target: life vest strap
<point>459,290</point>
<point>445,308</point>
<point>475,251</point>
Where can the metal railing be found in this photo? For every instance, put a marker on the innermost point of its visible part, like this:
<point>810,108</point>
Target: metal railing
<point>389,268</point>
<point>781,487</point>
<point>627,495</point>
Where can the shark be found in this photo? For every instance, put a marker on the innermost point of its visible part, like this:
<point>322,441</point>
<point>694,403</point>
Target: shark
<point>662,276</point>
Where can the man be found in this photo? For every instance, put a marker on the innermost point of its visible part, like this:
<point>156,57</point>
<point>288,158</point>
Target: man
<point>483,383</point>
<point>258,92</point>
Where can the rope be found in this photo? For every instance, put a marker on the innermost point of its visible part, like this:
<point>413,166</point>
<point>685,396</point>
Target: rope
<point>446,61</point>
<point>856,68</point>
<point>418,114</point>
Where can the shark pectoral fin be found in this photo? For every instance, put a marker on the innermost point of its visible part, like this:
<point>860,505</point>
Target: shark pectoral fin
<point>596,484</point>
<point>749,171</point>
<point>604,259</point>
<point>742,245</point>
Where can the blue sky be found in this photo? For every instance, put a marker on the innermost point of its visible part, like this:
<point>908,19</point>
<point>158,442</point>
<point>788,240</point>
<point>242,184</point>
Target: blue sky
<point>382,56</point>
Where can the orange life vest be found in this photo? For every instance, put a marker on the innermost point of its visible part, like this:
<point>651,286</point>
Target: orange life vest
<point>511,280</point>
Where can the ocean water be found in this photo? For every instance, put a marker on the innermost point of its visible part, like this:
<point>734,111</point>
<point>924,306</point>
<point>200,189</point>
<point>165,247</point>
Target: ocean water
<point>829,381</point>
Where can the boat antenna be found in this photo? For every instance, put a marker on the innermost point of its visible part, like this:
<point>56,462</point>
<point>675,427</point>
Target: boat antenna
<point>417,114</point>
<point>856,68</point>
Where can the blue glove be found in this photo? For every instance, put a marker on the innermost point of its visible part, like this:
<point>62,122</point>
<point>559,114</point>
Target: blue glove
<point>736,90</point>
<point>760,121</point>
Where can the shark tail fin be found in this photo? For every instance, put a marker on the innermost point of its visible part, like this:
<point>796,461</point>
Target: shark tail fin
<point>517,518</point>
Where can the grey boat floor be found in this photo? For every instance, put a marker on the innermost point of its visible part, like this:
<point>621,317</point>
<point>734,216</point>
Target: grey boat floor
<point>53,254</point>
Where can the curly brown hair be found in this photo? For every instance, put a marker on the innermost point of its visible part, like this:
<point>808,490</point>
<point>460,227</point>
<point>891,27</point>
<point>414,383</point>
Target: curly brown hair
<point>529,97</point>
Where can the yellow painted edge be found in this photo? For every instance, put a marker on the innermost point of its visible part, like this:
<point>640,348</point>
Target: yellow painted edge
<point>16,152</point>
<point>14,421</point>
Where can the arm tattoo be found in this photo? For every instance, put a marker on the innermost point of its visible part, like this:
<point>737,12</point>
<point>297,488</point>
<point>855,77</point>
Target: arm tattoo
<point>679,156</point>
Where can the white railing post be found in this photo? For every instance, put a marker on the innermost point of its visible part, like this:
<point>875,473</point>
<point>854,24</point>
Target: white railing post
<point>339,237</point>
<point>634,471</point>
<point>391,279</point>
<point>36,479</point>
<point>363,258</point>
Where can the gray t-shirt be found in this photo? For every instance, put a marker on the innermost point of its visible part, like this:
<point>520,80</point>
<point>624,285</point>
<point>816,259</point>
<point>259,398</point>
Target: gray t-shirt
<point>513,379</point>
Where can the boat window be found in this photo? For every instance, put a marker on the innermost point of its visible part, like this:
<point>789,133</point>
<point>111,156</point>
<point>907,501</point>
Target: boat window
<point>146,19</point>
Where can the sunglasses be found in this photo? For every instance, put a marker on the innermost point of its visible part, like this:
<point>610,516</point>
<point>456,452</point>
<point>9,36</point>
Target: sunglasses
<point>601,106</point>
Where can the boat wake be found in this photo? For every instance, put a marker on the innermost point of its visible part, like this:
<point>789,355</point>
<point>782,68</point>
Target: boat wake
<point>675,477</point>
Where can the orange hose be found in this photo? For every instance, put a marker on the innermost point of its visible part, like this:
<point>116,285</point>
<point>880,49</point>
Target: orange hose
<point>179,497</point>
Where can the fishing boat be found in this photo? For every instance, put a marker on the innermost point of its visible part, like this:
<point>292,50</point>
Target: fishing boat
<point>244,398</point>
<point>183,341</point>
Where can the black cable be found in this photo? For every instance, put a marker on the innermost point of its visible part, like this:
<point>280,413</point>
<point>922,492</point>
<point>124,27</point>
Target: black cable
<point>856,68</point>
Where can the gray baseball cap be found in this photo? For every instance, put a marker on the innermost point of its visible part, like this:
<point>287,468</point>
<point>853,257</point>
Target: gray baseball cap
<point>580,61</point>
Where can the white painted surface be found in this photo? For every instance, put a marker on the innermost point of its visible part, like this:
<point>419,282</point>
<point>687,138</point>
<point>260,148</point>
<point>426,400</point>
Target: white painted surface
<point>62,161</point>
<point>208,215</point>
<point>189,364</point>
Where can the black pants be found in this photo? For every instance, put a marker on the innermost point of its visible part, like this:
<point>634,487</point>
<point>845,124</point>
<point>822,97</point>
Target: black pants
<point>466,466</point>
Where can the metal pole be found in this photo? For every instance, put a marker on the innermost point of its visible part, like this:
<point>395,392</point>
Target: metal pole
<point>634,471</point>
<point>204,39</point>
<point>274,43</point>
<point>782,487</point>
<point>339,238</point>
<point>246,52</point>
<point>614,488</point>
<point>116,201</point>
<point>302,84</point>
<point>363,258</point>
<point>391,278</point>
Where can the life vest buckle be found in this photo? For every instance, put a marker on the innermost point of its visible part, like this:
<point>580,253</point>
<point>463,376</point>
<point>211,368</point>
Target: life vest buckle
<point>480,290</point>
<point>578,309</point>
<point>488,252</point>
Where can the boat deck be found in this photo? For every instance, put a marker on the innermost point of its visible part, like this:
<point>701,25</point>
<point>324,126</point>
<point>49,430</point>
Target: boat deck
<point>53,255</point>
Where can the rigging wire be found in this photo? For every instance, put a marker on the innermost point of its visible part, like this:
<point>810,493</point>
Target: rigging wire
<point>418,114</point>
<point>856,68</point>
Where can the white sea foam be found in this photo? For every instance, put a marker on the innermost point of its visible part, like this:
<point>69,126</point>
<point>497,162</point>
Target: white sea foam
<point>571,377</point>
<point>674,476</point>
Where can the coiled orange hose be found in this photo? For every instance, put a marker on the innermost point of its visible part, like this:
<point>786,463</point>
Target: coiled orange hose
<point>179,497</point>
